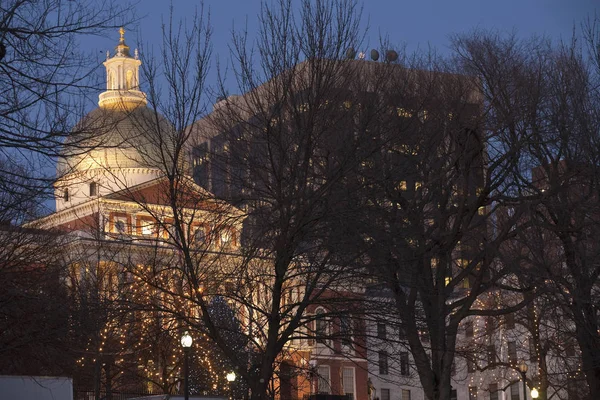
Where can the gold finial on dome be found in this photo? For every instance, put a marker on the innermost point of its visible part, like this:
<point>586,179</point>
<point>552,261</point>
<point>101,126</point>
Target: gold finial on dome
<point>122,79</point>
<point>122,48</point>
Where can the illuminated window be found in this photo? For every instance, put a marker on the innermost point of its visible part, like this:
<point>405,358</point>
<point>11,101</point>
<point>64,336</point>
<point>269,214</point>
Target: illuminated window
<point>226,238</point>
<point>402,185</point>
<point>405,394</point>
<point>129,79</point>
<point>146,226</point>
<point>403,112</point>
<point>465,283</point>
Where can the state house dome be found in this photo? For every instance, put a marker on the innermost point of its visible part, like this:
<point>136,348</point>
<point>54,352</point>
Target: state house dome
<point>113,138</point>
<point>118,145</point>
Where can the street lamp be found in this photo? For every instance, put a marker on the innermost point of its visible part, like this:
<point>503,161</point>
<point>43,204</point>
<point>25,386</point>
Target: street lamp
<point>230,378</point>
<point>186,343</point>
<point>534,393</point>
<point>523,369</point>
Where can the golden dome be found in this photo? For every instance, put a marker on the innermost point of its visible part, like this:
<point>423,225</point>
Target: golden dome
<point>111,139</point>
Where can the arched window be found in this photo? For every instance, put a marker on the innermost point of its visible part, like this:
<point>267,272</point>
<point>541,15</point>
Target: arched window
<point>320,325</point>
<point>199,237</point>
<point>129,78</point>
<point>111,80</point>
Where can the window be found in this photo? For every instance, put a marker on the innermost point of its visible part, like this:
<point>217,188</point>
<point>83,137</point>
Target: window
<point>120,226</point>
<point>472,392</point>
<point>93,189</point>
<point>385,394</point>
<point>381,330</point>
<point>471,367</point>
<point>574,390</point>
<point>401,332</point>
<point>514,391</point>
<point>346,330</point>
<point>491,356</point>
<point>404,363</point>
<point>348,381</point>
<point>509,321</point>
<point>145,226</point>
<point>199,235</point>
<point>226,238</point>
<point>120,223</point>
<point>512,352</point>
<point>493,391</point>
<point>570,348</point>
<point>405,394</point>
<point>469,328</point>
<point>490,326</point>
<point>66,195</point>
<point>383,363</point>
<point>321,326</point>
<point>323,379</point>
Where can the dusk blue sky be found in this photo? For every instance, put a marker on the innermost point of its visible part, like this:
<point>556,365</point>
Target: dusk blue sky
<point>415,23</point>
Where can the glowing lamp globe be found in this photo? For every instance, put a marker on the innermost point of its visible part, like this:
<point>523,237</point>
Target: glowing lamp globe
<point>186,340</point>
<point>230,376</point>
<point>534,393</point>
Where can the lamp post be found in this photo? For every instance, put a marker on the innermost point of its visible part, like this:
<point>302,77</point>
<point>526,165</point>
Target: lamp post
<point>186,343</point>
<point>523,369</point>
<point>230,378</point>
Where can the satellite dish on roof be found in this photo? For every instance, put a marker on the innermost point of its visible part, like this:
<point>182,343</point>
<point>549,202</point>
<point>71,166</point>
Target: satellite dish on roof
<point>374,55</point>
<point>350,53</point>
<point>391,56</point>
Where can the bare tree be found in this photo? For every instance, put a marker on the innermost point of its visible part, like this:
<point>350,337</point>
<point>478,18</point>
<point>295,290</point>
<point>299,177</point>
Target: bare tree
<point>43,71</point>
<point>547,102</point>
<point>282,172</point>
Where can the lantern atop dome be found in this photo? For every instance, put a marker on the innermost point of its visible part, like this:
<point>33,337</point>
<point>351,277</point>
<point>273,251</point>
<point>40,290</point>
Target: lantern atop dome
<point>122,78</point>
